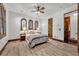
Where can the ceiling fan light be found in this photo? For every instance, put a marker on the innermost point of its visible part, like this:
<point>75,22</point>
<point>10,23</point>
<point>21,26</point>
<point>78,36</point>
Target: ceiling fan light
<point>37,12</point>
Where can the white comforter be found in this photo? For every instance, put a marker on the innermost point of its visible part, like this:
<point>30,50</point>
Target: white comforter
<point>35,39</point>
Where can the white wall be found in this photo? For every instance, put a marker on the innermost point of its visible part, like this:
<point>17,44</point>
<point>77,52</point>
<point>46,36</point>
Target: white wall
<point>13,27</point>
<point>44,25</point>
<point>15,22</point>
<point>58,23</point>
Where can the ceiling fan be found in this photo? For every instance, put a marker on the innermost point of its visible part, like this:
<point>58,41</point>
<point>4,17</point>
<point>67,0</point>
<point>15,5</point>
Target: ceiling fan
<point>39,9</point>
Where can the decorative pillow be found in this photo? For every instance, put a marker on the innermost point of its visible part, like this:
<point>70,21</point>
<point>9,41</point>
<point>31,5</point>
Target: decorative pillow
<point>31,32</point>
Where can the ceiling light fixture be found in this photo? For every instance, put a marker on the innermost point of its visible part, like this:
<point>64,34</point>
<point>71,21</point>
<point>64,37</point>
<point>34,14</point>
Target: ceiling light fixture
<point>38,10</point>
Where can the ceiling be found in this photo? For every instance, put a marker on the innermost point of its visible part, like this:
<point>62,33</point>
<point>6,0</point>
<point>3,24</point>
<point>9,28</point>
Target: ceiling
<point>26,8</point>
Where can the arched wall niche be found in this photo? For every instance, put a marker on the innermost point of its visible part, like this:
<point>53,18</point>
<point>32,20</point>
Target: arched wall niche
<point>36,25</point>
<point>23,23</point>
<point>30,24</point>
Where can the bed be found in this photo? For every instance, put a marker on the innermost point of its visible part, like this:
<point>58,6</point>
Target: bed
<point>35,39</point>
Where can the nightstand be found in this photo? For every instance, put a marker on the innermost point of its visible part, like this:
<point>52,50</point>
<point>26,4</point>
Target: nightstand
<point>22,36</point>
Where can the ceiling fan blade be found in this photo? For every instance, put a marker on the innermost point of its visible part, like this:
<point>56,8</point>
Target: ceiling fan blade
<point>42,8</point>
<point>42,11</point>
<point>38,8</point>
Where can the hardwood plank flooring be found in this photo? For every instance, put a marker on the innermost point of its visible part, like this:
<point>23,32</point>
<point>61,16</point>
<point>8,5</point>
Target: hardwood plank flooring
<point>51,48</point>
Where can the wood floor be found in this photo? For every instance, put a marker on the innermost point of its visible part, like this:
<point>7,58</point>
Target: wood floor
<point>52,48</point>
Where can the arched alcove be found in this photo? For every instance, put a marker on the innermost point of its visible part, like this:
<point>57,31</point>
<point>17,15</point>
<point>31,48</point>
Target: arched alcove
<point>36,25</point>
<point>23,24</point>
<point>30,25</point>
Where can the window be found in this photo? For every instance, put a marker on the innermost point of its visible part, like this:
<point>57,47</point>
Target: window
<point>2,21</point>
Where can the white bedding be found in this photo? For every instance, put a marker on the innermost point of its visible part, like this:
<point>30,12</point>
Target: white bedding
<point>34,39</point>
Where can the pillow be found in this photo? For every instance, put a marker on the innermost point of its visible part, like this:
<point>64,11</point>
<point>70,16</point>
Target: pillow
<point>31,32</point>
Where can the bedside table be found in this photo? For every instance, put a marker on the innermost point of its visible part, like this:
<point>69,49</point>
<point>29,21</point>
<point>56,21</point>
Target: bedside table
<point>22,36</point>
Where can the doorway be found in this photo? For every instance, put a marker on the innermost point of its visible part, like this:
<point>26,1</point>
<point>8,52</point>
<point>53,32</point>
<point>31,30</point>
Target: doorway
<point>67,29</point>
<point>50,28</point>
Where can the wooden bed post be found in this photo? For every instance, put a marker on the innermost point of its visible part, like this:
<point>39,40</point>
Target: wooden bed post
<point>78,26</point>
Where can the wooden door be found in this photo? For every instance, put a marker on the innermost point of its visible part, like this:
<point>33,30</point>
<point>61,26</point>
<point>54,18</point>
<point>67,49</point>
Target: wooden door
<point>50,26</point>
<point>66,29</point>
